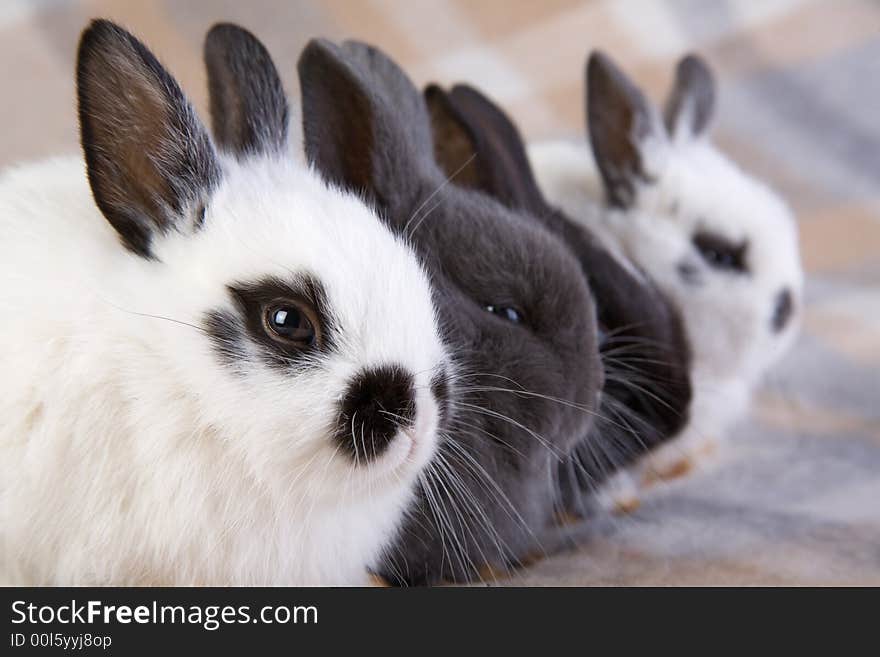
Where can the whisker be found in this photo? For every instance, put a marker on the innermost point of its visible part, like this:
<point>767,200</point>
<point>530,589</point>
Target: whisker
<point>434,193</point>
<point>150,315</point>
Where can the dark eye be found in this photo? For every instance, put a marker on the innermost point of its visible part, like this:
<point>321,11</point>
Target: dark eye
<point>506,312</point>
<point>721,253</point>
<point>287,322</point>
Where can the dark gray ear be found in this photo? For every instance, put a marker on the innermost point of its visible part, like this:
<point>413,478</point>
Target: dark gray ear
<point>365,126</point>
<point>454,142</point>
<point>474,137</point>
<point>691,104</point>
<point>151,164</point>
<point>620,121</point>
<point>249,111</point>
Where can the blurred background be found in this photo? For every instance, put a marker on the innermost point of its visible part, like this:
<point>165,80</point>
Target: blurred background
<point>798,498</point>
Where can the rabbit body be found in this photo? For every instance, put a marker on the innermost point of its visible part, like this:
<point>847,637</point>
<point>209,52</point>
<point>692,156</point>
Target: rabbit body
<point>156,429</point>
<point>719,243</point>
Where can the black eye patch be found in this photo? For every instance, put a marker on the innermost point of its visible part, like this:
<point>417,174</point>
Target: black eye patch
<point>721,253</point>
<point>272,299</point>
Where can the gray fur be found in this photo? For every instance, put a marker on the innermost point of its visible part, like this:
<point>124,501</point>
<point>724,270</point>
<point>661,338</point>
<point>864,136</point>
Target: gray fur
<point>522,393</point>
<point>647,386</point>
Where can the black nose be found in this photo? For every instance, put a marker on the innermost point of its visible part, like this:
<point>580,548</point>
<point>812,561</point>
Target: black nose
<point>378,403</point>
<point>782,310</point>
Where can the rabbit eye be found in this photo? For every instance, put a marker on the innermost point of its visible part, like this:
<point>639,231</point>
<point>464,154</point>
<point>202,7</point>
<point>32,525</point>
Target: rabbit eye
<point>721,253</point>
<point>508,313</point>
<point>289,323</point>
<point>286,320</point>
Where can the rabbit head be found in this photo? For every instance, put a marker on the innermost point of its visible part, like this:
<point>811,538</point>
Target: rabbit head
<point>720,243</point>
<point>296,378</point>
<point>644,351</point>
<point>515,310</point>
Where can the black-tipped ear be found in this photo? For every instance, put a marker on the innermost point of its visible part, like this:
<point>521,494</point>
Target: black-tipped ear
<point>151,164</point>
<point>249,111</point>
<point>365,126</point>
<point>691,104</point>
<point>620,121</point>
<point>475,136</point>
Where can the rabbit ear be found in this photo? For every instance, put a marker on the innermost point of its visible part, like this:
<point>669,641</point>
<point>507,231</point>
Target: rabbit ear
<point>150,161</point>
<point>622,125</point>
<point>454,142</point>
<point>365,126</point>
<point>249,111</point>
<point>470,131</point>
<point>691,104</point>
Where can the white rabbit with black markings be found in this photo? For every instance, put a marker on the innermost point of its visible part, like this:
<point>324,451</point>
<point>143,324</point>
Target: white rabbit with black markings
<point>721,244</point>
<point>216,368</point>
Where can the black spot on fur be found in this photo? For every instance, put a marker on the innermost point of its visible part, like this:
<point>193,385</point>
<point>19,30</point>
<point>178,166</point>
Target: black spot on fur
<point>783,310</point>
<point>227,337</point>
<point>722,253</point>
<point>379,402</point>
<point>229,331</point>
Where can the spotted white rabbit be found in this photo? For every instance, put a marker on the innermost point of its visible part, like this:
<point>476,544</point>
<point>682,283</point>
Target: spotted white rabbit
<point>721,244</point>
<point>216,368</point>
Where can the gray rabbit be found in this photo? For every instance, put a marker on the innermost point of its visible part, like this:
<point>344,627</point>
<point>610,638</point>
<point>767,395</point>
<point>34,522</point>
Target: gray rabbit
<point>517,313</point>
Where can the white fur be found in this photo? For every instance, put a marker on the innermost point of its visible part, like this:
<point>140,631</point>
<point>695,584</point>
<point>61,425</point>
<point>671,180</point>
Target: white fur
<point>130,455</point>
<point>727,317</point>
